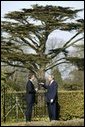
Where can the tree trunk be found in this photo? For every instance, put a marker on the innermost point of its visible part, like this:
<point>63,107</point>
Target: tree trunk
<point>41,76</point>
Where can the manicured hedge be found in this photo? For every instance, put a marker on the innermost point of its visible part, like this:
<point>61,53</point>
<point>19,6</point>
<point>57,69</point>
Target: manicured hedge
<point>71,104</point>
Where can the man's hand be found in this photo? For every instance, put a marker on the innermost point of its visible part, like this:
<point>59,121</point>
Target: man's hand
<point>51,100</point>
<point>41,83</point>
<point>36,89</point>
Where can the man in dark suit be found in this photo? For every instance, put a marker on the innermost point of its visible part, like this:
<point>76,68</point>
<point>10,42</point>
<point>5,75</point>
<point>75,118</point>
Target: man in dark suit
<point>51,97</point>
<point>30,96</point>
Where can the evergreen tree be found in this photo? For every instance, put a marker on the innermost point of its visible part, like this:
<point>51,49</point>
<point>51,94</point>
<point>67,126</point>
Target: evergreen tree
<point>29,28</point>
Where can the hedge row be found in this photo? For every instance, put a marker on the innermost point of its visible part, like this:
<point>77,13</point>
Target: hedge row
<point>71,105</point>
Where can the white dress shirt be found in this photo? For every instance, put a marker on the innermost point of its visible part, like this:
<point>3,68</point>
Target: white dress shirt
<point>51,81</point>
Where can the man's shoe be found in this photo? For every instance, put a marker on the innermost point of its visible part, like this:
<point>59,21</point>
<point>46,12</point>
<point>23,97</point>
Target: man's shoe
<point>53,120</point>
<point>28,121</point>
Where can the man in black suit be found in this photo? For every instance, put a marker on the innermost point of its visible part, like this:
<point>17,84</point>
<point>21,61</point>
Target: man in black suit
<point>51,97</point>
<point>30,96</point>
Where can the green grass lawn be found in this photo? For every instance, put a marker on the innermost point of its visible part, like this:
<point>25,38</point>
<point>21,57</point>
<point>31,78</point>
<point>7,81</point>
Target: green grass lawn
<point>75,122</point>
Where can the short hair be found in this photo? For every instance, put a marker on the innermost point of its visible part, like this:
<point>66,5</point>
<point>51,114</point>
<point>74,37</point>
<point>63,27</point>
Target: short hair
<point>30,75</point>
<point>52,76</point>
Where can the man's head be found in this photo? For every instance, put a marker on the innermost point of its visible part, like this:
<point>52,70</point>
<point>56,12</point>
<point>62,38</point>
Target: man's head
<point>31,76</point>
<point>50,77</point>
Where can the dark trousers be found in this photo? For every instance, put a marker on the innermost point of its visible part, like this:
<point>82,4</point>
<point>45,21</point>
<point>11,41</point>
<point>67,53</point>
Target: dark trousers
<point>29,112</point>
<point>52,111</point>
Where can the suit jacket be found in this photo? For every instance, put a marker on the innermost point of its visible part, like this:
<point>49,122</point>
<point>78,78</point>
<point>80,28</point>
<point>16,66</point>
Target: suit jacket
<point>30,92</point>
<point>51,91</point>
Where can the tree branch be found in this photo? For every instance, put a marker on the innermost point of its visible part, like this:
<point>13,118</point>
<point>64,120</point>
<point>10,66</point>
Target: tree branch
<point>75,42</point>
<point>25,41</point>
<point>57,61</point>
<point>71,39</point>
<point>56,65</point>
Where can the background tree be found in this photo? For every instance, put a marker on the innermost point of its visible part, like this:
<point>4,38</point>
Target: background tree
<point>75,81</point>
<point>13,78</point>
<point>57,77</point>
<point>78,58</point>
<point>30,28</point>
<point>76,76</point>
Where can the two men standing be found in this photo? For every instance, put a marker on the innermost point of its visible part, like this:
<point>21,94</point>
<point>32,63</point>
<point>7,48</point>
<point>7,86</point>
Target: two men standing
<point>51,97</point>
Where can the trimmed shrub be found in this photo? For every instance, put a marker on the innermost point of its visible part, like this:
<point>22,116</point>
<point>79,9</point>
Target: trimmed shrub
<point>71,104</point>
<point>72,86</point>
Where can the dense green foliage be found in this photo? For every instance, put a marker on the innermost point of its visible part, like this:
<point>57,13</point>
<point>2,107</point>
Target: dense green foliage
<point>71,105</point>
